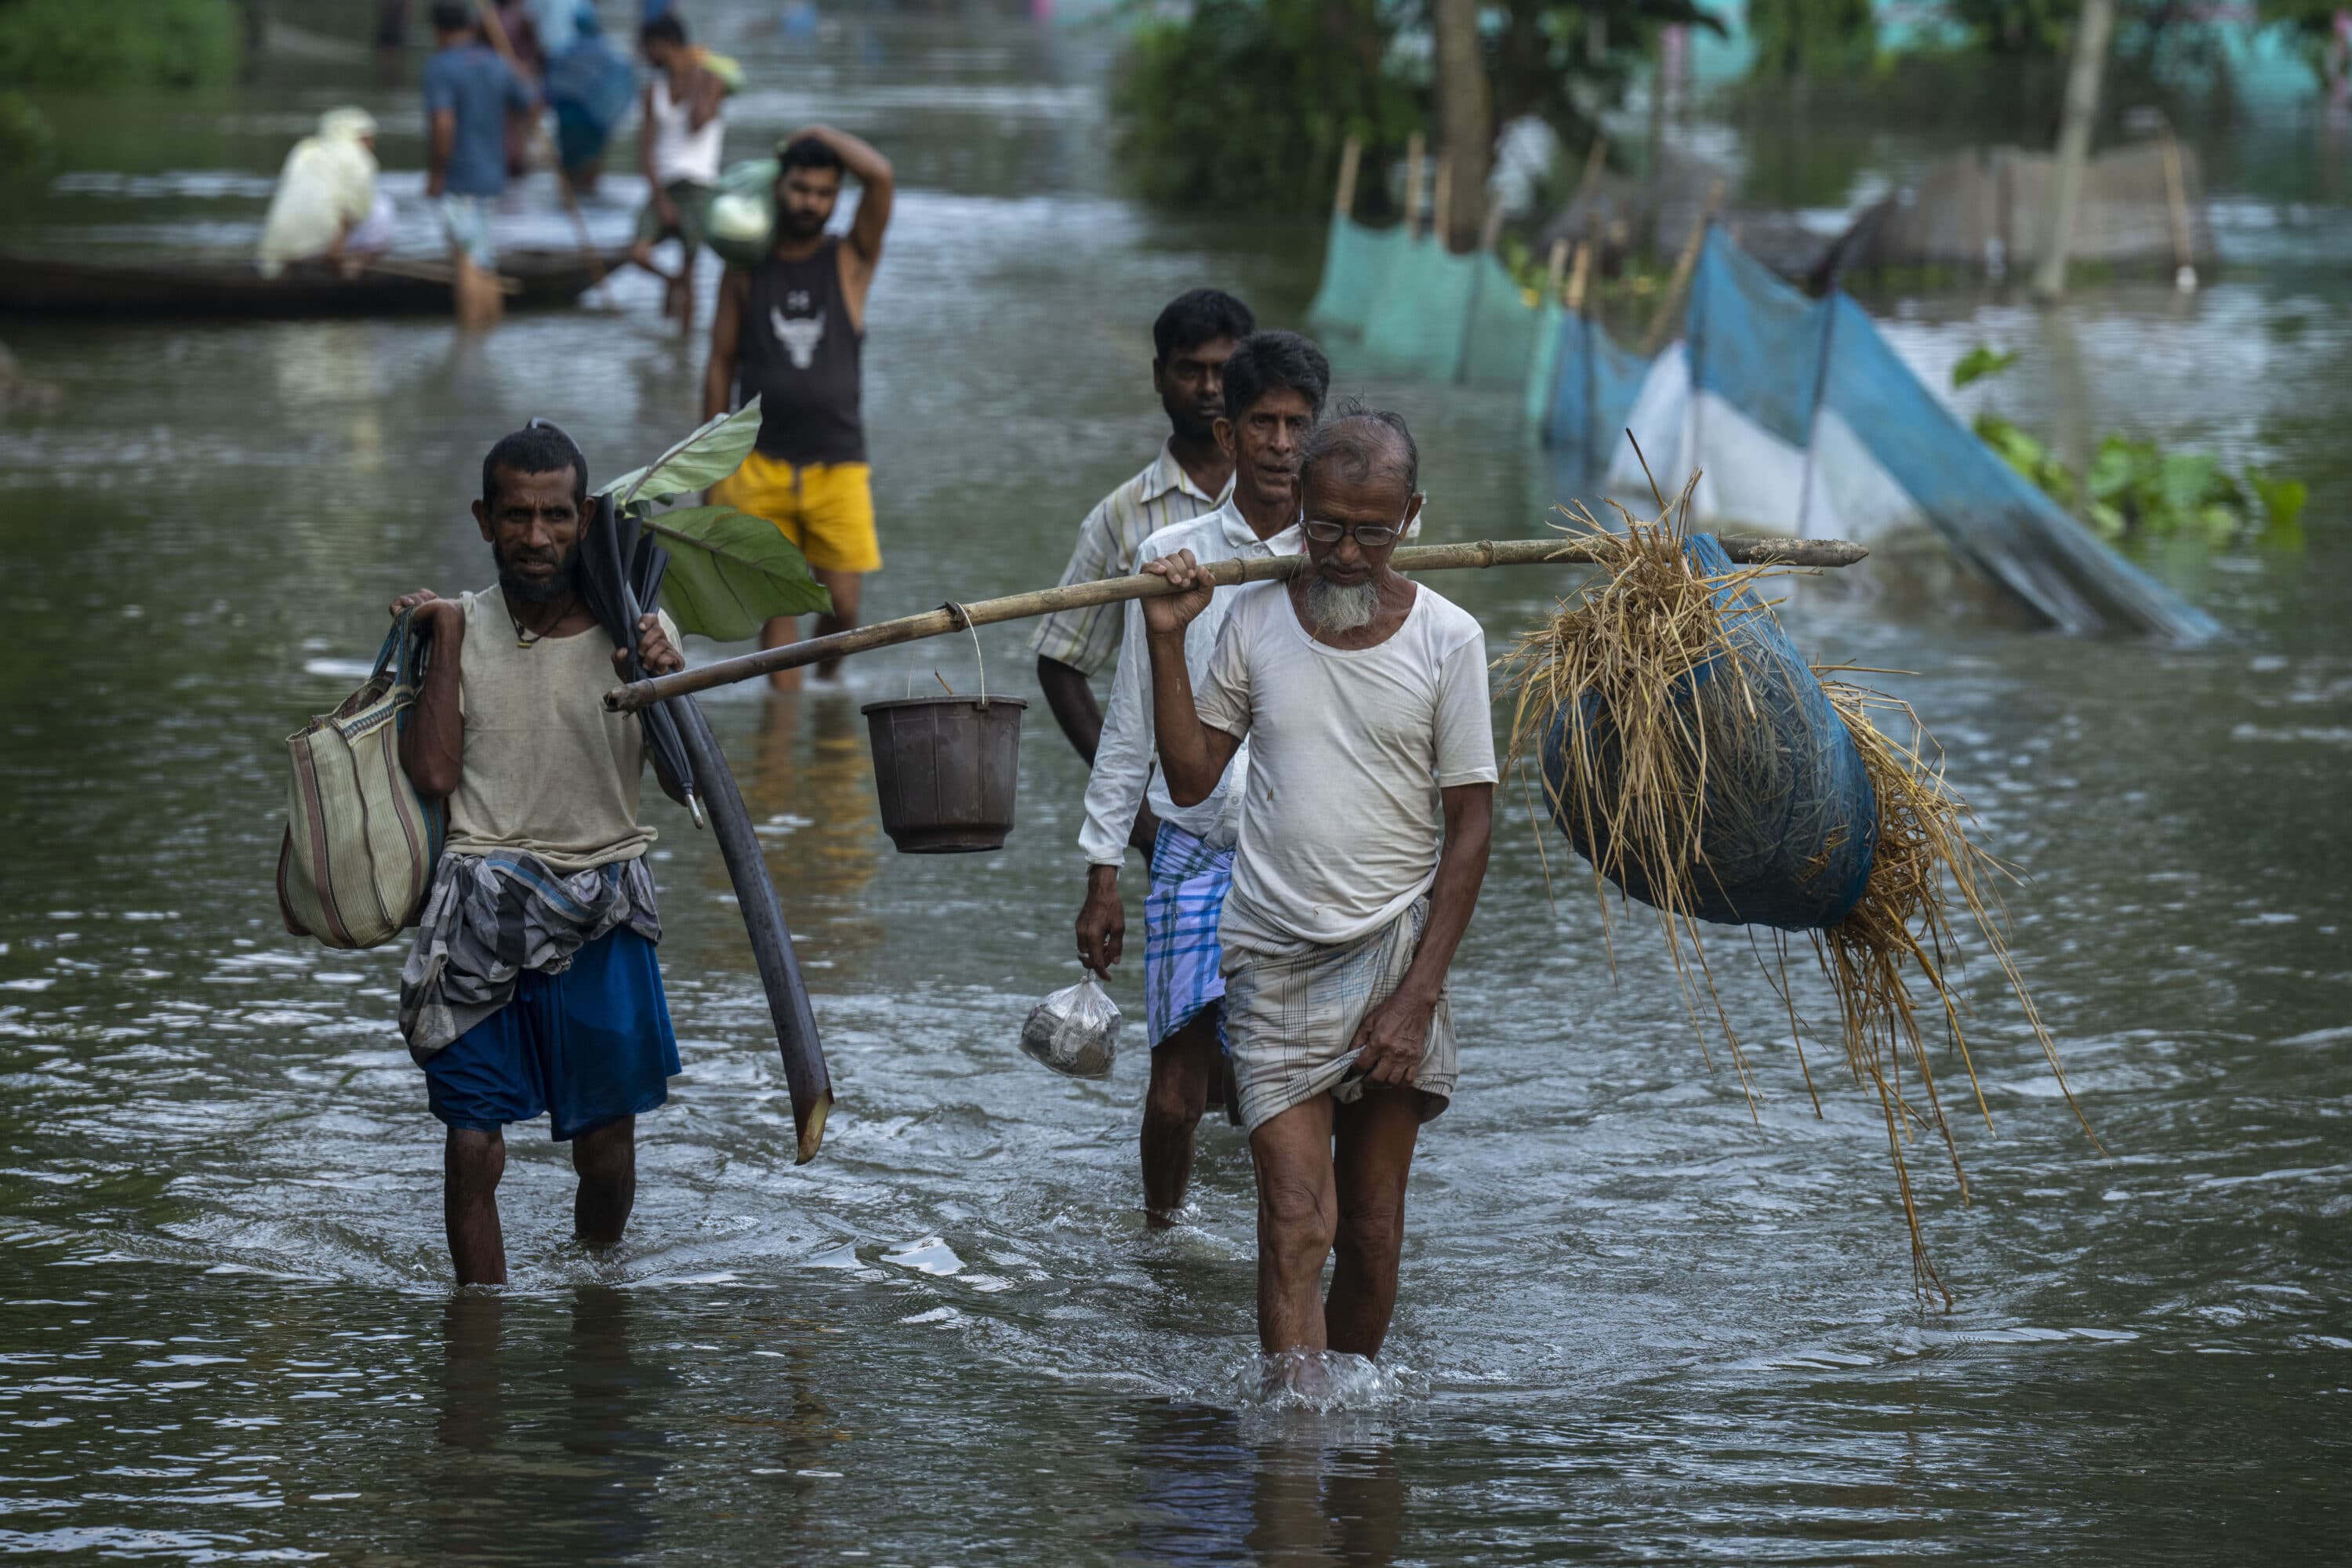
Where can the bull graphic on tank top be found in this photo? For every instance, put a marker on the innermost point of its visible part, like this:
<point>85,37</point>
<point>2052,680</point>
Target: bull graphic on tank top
<point>799,334</point>
<point>797,353</point>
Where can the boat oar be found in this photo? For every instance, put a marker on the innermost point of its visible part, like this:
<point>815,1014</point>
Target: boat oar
<point>1562,552</point>
<point>496,31</point>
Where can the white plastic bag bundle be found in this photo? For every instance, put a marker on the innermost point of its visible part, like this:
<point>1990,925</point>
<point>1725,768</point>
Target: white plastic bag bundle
<point>740,222</point>
<point>1075,1031</point>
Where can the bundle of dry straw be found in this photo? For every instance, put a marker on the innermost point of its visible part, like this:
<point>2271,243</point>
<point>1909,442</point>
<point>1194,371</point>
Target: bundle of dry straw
<point>1628,644</point>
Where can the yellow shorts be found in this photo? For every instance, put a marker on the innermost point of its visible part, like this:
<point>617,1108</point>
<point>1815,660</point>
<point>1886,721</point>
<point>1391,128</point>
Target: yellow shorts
<point>825,509</point>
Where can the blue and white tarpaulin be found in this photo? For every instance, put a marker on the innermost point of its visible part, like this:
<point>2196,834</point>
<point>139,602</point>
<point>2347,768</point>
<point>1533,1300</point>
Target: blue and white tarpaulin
<point>1800,415</point>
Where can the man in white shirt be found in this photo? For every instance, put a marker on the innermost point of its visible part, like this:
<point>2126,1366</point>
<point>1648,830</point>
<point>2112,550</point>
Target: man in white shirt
<point>1364,827</point>
<point>1190,341</point>
<point>1274,387</point>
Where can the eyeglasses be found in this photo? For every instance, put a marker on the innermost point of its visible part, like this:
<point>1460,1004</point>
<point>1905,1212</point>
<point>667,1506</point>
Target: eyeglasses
<point>1368,535</point>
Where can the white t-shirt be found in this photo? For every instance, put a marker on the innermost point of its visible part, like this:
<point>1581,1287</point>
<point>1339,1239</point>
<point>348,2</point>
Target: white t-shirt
<point>1341,820</point>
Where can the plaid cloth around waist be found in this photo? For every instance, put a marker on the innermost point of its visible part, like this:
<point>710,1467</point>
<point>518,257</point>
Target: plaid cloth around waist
<point>1181,959</point>
<point>1294,1017</point>
<point>490,917</point>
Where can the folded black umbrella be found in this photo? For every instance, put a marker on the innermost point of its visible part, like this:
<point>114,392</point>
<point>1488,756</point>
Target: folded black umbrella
<point>620,569</point>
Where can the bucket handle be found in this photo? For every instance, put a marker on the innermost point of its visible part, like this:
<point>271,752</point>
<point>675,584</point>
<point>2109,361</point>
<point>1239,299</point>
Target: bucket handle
<point>964,618</point>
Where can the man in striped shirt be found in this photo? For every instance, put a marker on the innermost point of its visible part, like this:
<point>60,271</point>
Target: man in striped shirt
<point>1190,341</point>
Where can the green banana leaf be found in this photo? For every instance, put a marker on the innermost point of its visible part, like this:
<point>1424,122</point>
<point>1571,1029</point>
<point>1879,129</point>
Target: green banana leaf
<point>708,455</point>
<point>730,572</point>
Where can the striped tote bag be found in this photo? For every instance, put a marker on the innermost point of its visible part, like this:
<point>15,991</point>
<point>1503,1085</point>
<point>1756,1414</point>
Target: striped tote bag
<point>360,844</point>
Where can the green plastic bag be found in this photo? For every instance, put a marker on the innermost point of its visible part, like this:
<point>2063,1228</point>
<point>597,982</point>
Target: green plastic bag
<point>741,224</point>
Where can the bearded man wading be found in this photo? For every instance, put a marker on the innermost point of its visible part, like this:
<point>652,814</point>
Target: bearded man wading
<point>532,988</point>
<point>1364,828</point>
<point>789,331</point>
<point>1193,474</point>
<point>1274,387</point>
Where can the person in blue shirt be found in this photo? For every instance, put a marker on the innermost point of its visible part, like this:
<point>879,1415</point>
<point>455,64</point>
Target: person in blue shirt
<point>468,92</point>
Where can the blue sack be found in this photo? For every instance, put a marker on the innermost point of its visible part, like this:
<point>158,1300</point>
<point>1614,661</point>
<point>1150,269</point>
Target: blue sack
<point>1790,821</point>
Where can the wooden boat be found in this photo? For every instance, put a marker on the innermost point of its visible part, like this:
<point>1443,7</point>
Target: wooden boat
<point>221,285</point>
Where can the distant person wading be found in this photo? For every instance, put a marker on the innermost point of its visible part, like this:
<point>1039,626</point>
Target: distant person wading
<point>468,91</point>
<point>790,331</point>
<point>679,144</point>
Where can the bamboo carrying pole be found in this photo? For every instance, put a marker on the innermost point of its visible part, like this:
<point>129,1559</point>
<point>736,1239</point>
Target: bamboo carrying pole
<point>1747,551</point>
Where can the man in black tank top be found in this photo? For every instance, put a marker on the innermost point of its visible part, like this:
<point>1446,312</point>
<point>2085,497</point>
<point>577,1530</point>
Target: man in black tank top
<point>790,331</point>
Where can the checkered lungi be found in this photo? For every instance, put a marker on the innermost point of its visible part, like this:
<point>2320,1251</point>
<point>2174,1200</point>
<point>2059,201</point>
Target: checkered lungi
<point>1291,1018</point>
<point>1180,956</point>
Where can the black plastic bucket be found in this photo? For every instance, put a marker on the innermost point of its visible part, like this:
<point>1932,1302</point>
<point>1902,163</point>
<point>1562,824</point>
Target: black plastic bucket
<point>946,768</point>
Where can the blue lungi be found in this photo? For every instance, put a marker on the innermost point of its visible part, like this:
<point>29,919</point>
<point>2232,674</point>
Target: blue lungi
<point>1182,959</point>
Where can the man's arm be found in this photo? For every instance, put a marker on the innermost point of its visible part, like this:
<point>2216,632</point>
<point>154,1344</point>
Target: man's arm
<point>1192,755</point>
<point>726,328</point>
<point>443,138</point>
<point>522,96</point>
<point>704,102</point>
<point>663,207</point>
<point>1117,815</point>
<point>1069,643</point>
<point>1389,1041</point>
<point>1072,697</point>
<point>432,745</point>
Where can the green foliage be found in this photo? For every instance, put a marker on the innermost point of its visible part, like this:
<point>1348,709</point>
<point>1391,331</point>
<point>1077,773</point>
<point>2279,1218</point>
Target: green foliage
<point>26,137</point>
<point>707,454</point>
<point>1243,105</point>
<point>2136,488</point>
<point>728,571</point>
<point>2016,27</point>
<point>1979,361</point>
<point>1812,37</point>
<point>1542,57</point>
<point>117,43</point>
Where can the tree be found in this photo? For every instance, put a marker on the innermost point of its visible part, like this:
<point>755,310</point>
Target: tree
<point>1466,118</point>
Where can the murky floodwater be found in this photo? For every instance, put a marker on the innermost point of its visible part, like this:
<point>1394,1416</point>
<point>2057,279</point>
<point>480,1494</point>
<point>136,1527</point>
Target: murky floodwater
<point>1636,1324</point>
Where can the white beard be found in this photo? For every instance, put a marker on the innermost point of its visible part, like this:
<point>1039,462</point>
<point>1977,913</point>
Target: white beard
<point>1339,607</point>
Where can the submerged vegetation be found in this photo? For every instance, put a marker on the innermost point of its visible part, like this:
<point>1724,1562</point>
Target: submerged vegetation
<point>117,43</point>
<point>2135,488</point>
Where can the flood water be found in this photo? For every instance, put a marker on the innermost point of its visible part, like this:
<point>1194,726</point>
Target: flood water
<point>1636,1322</point>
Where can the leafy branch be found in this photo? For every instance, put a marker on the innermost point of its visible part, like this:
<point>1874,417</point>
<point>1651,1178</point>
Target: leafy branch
<point>730,572</point>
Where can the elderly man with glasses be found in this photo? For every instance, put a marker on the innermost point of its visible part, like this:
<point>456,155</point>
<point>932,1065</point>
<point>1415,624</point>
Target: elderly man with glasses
<point>1363,836</point>
<point>1273,385</point>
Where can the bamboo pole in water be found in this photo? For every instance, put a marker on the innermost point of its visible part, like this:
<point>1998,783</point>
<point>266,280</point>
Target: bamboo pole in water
<point>1343,195</point>
<point>953,618</point>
